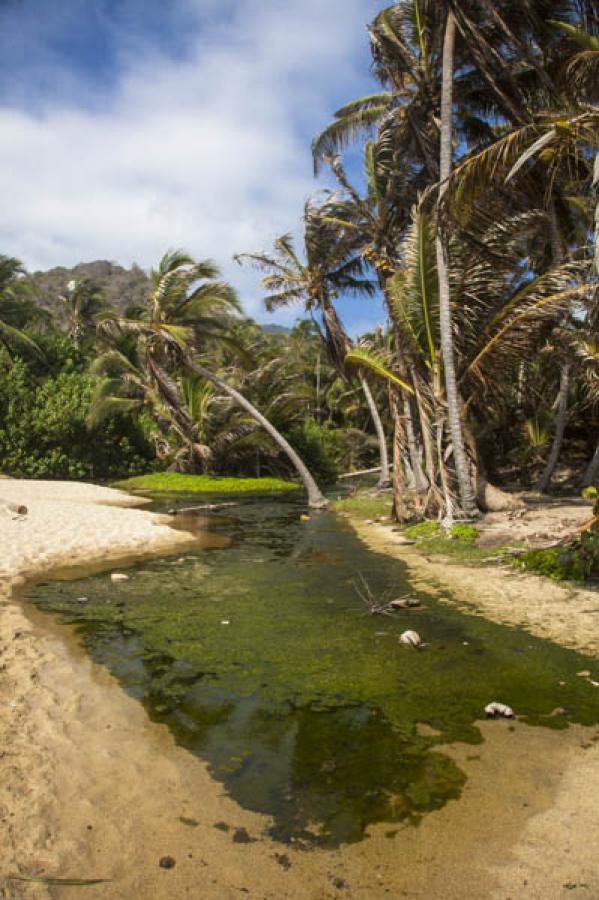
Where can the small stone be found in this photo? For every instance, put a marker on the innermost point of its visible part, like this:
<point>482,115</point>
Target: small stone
<point>499,709</point>
<point>118,577</point>
<point>584,673</point>
<point>225,622</point>
<point>167,862</point>
<point>410,638</point>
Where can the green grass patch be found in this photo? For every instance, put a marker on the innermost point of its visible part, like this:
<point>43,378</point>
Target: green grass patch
<point>172,482</point>
<point>459,544</point>
<point>364,507</point>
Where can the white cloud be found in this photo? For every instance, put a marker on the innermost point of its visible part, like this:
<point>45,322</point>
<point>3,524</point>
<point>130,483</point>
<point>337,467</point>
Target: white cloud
<point>209,152</point>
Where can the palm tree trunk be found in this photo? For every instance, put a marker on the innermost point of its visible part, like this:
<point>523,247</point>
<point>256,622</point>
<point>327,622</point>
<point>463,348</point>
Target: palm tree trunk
<point>384,458</point>
<point>592,470</point>
<point>560,427</point>
<point>400,512</point>
<point>420,479</point>
<point>595,183</point>
<point>315,498</point>
<point>462,467</point>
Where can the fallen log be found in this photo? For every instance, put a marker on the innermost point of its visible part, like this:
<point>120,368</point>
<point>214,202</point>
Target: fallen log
<point>361,472</point>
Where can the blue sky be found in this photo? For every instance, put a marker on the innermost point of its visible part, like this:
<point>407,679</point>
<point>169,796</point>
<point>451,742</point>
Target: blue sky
<point>133,126</point>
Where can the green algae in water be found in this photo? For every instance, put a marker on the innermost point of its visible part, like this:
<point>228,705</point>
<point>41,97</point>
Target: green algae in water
<point>305,707</point>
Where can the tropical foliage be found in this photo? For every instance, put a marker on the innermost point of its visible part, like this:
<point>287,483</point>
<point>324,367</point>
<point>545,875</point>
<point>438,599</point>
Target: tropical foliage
<point>473,217</point>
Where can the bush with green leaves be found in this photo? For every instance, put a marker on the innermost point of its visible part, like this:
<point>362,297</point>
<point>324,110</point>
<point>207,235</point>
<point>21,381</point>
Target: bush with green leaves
<point>320,448</point>
<point>43,432</point>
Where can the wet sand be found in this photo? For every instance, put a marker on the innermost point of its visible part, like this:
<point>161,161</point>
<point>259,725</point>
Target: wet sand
<point>91,788</point>
<point>560,612</point>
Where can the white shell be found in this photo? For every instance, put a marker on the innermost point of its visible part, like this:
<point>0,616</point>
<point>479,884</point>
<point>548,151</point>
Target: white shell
<point>410,637</point>
<point>117,577</point>
<point>499,709</point>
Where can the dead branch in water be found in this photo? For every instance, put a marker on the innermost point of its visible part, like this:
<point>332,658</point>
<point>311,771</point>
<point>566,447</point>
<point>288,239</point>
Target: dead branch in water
<point>385,606</point>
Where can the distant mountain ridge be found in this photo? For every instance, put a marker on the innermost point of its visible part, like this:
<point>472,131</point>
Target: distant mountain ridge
<point>122,287</point>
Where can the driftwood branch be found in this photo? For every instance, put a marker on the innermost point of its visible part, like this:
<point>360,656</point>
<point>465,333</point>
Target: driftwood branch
<point>361,472</point>
<point>200,509</point>
<point>385,606</point>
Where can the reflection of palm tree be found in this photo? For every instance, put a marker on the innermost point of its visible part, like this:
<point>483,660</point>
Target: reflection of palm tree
<point>187,307</point>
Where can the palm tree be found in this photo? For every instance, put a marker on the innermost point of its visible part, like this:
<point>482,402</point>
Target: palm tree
<point>84,305</point>
<point>462,467</point>
<point>502,315</point>
<point>187,306</point>
<point>15,299</point>
<point>376,219</point>
<point>331,267</point>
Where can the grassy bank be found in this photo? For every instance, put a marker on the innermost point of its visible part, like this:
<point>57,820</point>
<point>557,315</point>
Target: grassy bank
<point>458,544</point>
<point>172,482</point>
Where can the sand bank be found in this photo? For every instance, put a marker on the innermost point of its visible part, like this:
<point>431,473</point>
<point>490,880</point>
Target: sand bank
<point>563,613</point>
<point>91,788</point>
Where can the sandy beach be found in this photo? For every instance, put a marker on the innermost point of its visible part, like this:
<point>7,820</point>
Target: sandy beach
<point>91,788</point>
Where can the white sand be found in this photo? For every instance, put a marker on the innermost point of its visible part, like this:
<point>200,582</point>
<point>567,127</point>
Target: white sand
<point>70,522</point>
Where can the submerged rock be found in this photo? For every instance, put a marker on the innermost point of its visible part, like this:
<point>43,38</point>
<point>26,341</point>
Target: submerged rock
<point>411,638</point>
<point>492,710</point>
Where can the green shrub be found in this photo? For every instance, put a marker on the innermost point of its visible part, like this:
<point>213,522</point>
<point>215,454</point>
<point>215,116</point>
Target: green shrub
<point>574,562</point>
<point>423,531</point>
<point>43,432</point>
<point>320,448</point>
<point>465,533</point>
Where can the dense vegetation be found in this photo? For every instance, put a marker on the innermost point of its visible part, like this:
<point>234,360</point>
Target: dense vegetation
<point>473,217</point>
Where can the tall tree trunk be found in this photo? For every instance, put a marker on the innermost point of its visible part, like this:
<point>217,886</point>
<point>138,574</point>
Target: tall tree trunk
<point>560,427</point>
<point>591,473</point>
<point>380,433</point>
<point>595,184</point>
<point>420,479</point>
<point>400,506</point>
<point>462,467</point>
<point>315,498</point>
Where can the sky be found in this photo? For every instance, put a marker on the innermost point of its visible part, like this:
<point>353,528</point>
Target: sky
<point>130,127</point>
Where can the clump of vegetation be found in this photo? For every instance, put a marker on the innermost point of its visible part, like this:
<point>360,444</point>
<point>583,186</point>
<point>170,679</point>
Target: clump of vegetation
<point>575,561</point>
<point>364,507</point>
<point>458,543</point>
<point>43,430</point>
<point>203,484</point>
<point>423,531</point>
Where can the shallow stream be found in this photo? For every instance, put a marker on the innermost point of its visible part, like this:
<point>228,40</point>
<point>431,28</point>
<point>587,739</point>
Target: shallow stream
<point>261,658</point>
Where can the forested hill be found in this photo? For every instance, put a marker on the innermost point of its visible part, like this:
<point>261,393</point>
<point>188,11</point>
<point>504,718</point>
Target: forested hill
<point>122,287</point>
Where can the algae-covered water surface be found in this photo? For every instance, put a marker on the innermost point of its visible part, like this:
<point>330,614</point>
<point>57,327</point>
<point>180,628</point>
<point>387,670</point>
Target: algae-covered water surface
<point>261,659</point>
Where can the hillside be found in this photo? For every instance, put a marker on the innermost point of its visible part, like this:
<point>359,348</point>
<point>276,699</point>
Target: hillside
<point>123,287</point>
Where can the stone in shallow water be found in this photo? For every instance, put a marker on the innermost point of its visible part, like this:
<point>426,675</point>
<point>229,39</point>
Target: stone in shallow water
<point>118,577</point>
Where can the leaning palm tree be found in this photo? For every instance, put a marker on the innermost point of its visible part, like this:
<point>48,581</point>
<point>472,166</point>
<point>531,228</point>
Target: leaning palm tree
<point>189,305</point>
<point>330,267</point>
